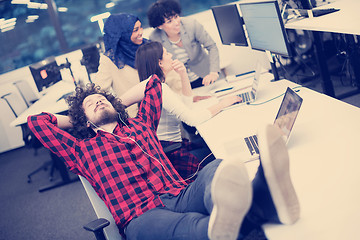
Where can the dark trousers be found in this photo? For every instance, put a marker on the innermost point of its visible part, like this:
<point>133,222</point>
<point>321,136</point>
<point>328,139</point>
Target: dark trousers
<point>197,83</point>
<point>186,216</point>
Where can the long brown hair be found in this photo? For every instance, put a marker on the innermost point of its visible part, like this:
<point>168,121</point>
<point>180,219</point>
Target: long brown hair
<point>147,60</point>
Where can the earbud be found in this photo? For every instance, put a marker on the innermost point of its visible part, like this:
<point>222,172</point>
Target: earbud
<point>90,122</point>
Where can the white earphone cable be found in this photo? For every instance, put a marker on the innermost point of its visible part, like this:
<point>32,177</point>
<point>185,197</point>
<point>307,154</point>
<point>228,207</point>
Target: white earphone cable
<point>133,140</point>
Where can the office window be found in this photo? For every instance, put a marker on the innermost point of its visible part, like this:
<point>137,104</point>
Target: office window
<point>28,35</point>
<point>22,41</point>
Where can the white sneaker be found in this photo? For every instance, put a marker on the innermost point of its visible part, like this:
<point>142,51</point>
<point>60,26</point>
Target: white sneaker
<point>274,159</point>
<point>231,194</point>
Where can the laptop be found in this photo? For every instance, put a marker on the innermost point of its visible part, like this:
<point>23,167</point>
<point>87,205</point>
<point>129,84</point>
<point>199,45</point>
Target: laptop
<point>248,96</point>
<point>285,120</point>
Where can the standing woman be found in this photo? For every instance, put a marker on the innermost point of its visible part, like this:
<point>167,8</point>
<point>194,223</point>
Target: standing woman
<point>122,37</point>
<point>187,40</point>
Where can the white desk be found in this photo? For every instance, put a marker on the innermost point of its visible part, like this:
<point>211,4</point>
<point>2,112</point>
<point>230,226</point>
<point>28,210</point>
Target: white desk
<point>48,103</point>
<point>344,21</point>
<point>324,159</point>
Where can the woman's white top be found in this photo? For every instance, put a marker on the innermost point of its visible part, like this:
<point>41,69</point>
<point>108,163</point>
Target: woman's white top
<point>175,108</point>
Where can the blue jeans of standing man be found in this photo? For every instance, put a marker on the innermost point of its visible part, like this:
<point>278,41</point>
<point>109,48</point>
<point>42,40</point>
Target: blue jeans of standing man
<point>184,217</point>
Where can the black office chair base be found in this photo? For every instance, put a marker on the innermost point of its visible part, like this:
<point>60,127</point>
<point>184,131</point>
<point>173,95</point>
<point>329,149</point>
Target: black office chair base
<point>43,167</point>
<point>59,184</point>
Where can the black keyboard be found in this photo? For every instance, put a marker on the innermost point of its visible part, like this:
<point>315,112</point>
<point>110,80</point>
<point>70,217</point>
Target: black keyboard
<point>316,12</point>
<point>323,11</point>
<point>252,143</point>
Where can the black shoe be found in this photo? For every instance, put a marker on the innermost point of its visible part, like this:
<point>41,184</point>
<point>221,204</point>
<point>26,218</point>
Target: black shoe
<point>274,168</point>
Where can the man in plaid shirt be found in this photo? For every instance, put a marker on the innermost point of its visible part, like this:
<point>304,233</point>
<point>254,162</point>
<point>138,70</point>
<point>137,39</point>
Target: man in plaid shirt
<point>124,162</point>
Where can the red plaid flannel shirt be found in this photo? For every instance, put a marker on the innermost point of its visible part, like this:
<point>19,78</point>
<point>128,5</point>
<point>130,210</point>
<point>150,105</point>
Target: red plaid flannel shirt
<point>126,179</point>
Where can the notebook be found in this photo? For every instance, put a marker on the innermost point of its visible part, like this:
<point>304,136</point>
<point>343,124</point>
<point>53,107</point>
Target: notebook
<point>285,120</point>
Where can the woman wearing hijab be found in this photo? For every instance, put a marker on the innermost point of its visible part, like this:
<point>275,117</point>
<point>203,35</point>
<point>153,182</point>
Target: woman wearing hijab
<point>122,37</point>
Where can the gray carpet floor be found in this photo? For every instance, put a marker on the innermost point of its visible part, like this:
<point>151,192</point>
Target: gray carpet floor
<point>28,214</point>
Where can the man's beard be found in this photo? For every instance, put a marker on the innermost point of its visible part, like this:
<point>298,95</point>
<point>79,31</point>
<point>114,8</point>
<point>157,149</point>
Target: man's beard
<point>107,117</point>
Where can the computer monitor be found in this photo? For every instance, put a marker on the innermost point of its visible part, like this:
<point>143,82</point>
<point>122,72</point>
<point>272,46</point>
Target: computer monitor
<point>45,73</point>
<point>230,25</point>
<point>265,27</point>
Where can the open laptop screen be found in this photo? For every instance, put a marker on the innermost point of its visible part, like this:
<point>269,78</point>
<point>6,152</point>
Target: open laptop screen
<point>288,112</point>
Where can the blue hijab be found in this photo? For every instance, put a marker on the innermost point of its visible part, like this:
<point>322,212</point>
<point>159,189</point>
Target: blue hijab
<point>118,45</point>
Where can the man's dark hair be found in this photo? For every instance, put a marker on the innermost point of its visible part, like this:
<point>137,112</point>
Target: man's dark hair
<point>162,9</point>
<point>77,113</point>
<point>147,60</point>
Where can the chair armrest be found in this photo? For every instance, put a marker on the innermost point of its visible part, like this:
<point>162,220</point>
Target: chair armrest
<point>97,227</point>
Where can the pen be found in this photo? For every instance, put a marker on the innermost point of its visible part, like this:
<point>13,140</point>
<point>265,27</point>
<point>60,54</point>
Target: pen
<point>225,89</point>
<point>241,74</point>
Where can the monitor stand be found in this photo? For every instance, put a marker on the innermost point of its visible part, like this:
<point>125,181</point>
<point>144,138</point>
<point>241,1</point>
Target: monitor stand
<point>274,70</point>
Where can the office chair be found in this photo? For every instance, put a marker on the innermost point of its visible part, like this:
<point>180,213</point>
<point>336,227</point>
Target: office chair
<point>90,59</point>
<point>303,58</point>
<point>105,218</point>
<point>25,92</point>
<point>29,139</point>
<point>97,227</point>
<point>346,50</point>
<point>301,45</point>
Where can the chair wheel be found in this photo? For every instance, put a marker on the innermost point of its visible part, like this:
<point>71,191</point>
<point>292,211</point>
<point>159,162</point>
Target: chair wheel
<point>29,180</point>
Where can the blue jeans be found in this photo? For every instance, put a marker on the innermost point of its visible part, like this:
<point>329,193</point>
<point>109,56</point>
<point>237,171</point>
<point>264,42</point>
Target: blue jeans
<point>185,216</point>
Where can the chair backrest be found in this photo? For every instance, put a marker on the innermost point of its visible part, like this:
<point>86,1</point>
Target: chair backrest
<point>17,105</point>
<point>15,102</point>
<point>26,92</point>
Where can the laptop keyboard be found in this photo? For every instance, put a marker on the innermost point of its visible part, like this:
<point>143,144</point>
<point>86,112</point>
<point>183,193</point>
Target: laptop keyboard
<point>252,143</point>
<point>245,96</point>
